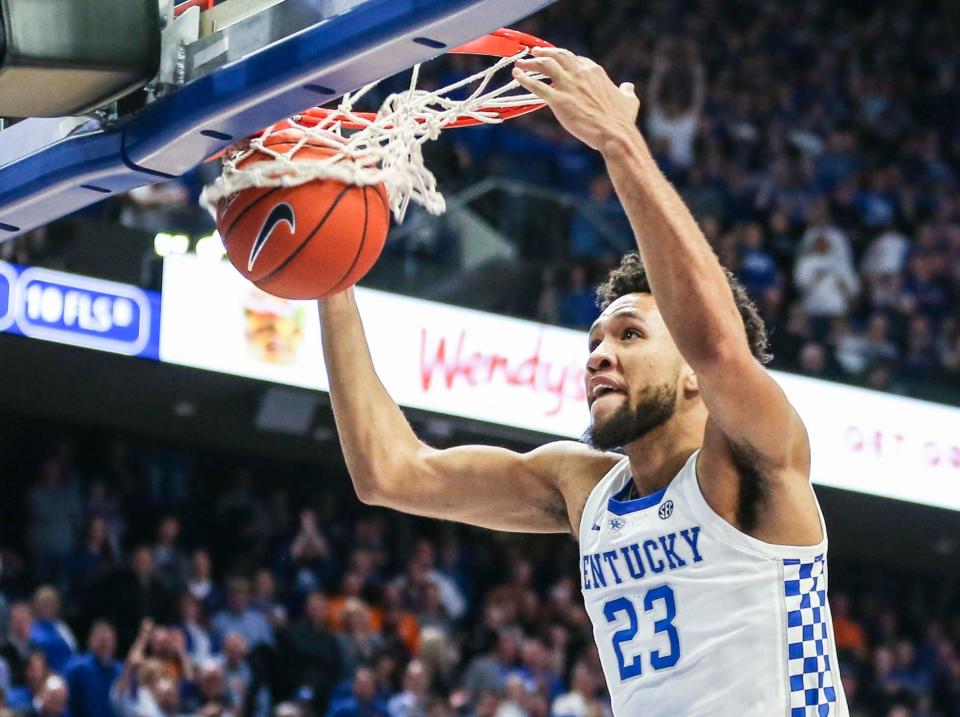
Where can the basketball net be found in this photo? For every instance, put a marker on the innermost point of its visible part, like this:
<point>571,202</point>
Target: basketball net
<point>369,149</point>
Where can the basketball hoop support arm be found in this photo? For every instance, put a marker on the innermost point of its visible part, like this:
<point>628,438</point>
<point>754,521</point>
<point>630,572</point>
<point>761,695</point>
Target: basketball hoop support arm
<point>305,56</point>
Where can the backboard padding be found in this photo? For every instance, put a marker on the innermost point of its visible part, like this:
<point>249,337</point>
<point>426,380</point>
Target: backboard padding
<point>315,64</point>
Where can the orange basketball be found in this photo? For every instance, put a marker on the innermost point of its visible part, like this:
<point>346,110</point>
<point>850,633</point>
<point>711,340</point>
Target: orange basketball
<point>304,242</point>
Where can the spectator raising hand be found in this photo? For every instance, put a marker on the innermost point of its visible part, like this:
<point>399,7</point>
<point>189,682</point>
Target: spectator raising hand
<point>675,97</point>
<point>131,694</point>
<point>310,564</point>
<point>817,145</point>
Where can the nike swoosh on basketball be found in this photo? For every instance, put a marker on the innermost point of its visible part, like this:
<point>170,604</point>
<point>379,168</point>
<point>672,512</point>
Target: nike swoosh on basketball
<point>283,212</point>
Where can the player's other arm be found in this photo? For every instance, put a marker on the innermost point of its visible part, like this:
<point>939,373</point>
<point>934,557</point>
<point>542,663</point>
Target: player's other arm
<point>391,467</point>
<point>752,426</point>
<point>694,297</point>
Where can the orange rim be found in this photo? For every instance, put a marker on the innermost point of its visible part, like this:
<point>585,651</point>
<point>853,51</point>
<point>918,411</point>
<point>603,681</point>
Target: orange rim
<point>499,43</point>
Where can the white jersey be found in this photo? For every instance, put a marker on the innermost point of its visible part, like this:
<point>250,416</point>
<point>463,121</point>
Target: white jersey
<point>694,618</point>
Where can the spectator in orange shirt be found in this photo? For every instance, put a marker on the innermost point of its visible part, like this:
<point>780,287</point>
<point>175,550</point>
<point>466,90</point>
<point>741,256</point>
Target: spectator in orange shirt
<point>393,620</point>
<point>351,588</point>
<point>847,632</point>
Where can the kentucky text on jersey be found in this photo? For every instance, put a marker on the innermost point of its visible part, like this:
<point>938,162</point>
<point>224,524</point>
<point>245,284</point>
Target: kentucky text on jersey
<point>636,561</point>
<point>694,618</point>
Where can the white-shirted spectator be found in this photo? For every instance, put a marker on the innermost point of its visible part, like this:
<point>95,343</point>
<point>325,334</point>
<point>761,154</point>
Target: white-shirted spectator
<point>132,694</point>
<point>515,698</point>
<point>200,578</point>
<point>52,700</point>
<point>669,119</point>
<point>413,701</point>
<point>239,617</point>
<point>887,254</point>
<point>581,697</point>
<point>196,636</point>
<point>166,694</point>
<point>819,222</point>
<point>824,275</point>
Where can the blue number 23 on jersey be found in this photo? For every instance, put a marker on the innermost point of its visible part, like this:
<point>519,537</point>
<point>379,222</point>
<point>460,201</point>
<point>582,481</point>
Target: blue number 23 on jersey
<point>658,660</point>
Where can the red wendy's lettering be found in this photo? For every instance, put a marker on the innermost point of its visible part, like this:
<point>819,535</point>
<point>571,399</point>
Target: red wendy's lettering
<point>440,361</point>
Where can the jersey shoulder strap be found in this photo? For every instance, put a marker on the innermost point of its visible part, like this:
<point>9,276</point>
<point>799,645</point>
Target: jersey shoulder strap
<point>687,483</point>
<point>607,486</point>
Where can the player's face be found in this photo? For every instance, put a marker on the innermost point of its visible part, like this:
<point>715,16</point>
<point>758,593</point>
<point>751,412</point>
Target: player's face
<point>632,372</point>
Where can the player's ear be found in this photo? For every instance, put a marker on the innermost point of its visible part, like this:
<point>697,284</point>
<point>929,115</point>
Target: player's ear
<point>688,382</point>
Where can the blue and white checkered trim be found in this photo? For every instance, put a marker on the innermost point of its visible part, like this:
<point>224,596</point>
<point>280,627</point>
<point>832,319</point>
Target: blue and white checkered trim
<point>812,692</point>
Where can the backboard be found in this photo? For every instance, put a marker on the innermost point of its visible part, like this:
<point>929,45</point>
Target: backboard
<point>225,73</point>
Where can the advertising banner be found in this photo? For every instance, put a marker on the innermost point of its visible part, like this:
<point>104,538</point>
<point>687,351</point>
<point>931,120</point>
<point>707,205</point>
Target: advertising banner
<point>430,356</point>
<point>79,311</point>
<point>526,375</point>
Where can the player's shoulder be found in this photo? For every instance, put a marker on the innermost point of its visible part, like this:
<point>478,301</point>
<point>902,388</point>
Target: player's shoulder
<point>574,469</point>
<point>566,462</point>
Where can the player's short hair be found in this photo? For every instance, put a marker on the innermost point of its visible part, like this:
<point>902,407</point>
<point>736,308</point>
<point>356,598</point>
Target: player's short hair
<point>631,278</point>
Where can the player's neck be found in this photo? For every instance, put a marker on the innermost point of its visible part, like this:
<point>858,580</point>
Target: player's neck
<point>656,458</point>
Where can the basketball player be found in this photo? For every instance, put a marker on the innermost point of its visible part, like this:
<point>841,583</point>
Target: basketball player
<point>703,551</point>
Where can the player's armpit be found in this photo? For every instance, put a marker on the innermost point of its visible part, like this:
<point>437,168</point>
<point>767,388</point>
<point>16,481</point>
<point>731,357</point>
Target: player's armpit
<point>755,462</point>
<point>537,492</point>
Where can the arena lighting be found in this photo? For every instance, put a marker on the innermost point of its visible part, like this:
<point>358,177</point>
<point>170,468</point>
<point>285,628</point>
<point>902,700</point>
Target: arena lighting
<point>210,248</point>
<point>169,244</point>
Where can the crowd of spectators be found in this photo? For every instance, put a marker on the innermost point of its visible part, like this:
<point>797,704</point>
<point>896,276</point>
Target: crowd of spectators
<point>274,592</point>
<point>817,143</point>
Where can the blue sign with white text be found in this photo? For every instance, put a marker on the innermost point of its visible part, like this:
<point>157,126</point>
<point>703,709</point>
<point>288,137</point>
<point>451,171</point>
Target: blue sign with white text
<point>79,310</point>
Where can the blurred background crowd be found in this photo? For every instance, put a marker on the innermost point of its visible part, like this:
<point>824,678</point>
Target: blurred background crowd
<point>817,143</point>
<point>140,582</point>
<point>819,146</point>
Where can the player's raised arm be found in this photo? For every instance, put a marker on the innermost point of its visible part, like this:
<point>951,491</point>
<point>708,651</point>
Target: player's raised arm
<point>750,419</point>
<point>391,467</point>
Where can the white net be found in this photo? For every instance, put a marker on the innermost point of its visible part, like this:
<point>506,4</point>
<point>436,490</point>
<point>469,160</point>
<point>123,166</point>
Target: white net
<point>365,149</point>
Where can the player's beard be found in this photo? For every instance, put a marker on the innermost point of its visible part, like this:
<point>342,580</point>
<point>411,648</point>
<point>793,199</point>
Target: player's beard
<point>655,406</point>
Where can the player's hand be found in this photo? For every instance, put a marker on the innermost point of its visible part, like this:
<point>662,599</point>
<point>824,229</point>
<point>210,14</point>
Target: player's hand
<point>584,99</point>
